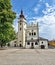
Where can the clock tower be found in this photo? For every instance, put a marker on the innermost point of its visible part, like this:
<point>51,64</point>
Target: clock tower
<point>21,30</point>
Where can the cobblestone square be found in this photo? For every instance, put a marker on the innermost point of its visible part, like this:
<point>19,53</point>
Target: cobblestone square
<point>27,57</point>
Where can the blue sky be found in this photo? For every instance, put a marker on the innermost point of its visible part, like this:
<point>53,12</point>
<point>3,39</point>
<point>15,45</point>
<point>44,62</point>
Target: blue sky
<point>41,11</point>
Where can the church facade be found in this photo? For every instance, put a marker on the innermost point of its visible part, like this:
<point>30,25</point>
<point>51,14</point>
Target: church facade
<point>28,34</point>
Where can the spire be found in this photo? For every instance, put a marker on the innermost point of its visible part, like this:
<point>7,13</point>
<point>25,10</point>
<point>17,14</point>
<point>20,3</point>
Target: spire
<point>21,14</point>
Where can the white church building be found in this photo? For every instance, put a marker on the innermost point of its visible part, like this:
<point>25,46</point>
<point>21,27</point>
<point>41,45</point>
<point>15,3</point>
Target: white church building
<point>28,34</point>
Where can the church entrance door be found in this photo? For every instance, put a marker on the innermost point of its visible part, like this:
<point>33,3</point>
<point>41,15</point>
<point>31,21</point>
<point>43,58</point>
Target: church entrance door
<point>32,45</point>
<point>42,47</point>
<point>20,45</point>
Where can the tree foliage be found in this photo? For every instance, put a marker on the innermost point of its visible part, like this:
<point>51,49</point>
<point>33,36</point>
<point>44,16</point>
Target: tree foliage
<point>6,21</point>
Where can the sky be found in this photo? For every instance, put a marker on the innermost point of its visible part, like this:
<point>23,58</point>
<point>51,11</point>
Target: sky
<point>41,11</point>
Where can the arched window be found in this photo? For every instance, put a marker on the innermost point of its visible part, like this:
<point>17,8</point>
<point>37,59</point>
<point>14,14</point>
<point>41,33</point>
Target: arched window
<point>28,43</point>
<point>20,20</point>
<point>20,23</point>
<point>20,28</point>
<point>15,41</point>
<point>20,45</point>
<point>19,41</point>
<point>36,43</point>
<point>29,33</point>
<point>34,33</point>
<point>42,42</point>
<point>14,45</point>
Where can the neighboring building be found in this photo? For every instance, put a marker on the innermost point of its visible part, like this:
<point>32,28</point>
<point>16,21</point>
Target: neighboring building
<point>28,35</point>
<point>43,43</point>
<point>12,43</point>
<point>52,43</point>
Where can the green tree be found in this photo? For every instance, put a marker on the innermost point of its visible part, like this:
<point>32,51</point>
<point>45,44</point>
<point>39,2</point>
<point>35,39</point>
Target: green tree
<point>7,16</point>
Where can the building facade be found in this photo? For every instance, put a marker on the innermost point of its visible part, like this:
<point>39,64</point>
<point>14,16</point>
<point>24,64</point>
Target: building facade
<point>21,30</point>
<point>28,34</point>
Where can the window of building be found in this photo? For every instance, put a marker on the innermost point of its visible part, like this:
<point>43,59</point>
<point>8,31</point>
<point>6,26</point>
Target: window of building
<point>34,33</point>
<point>29,33</point>
<point>14,45</point>
<point>28,43</point>
<point>20,41</point>
<point>14,41</point>
<point>20,23</point>
<point>36,43</point>
<point>20,28</point>
<point>20,45</point>
<point>42,42</point>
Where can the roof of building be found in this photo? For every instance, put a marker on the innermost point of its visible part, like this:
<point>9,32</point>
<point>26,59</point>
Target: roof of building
<point>41,38</point>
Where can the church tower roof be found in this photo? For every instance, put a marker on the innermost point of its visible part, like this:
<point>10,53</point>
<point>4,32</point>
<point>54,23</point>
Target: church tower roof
<point>21,14</point>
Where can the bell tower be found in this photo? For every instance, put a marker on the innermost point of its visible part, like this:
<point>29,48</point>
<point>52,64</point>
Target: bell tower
<point>21,30</point>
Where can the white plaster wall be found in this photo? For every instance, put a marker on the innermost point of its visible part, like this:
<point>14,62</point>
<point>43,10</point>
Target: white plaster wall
<point>28,46</point>
<point>24,27</point>
<point>36,46</point>
<point>21,33</point>
<point>45,43</point>
<point>30,37</point>
<point>12,43</point>
<point>29,30</point>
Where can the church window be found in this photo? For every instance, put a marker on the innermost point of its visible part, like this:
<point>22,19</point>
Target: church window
<point>20,41</point>
<point>20,28</point>
<point>42,42</point>
<point>29,33</point>
<point>20,20</point>
<point>20,23</point>
<point>28,43</point>
<point>34,33</point>
<point>36,43</point>
<point>14,41</point>
<point>20,45</point>
<point>14,45</point>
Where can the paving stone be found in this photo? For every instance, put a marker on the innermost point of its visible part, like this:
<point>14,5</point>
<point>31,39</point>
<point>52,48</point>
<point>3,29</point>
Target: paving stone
<point>27,57</point>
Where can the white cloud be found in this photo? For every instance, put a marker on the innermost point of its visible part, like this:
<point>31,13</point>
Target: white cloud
<point>47,5</point>
<point>47,22</point>
<point>37,8</point>
<point>49,9</point>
